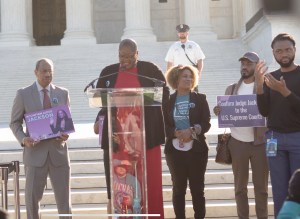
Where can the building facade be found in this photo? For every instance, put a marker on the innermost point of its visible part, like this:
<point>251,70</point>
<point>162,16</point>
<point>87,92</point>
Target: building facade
<point>67,22</point>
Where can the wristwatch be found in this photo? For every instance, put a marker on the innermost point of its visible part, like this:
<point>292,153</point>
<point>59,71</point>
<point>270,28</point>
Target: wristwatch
<point>194,134</point>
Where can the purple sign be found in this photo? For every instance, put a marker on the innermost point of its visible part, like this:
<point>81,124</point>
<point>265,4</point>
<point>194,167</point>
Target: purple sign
<point>49,123</point>
<point>239,111</point>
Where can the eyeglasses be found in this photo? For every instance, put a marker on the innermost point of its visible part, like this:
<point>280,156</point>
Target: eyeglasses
<point>127,56</point>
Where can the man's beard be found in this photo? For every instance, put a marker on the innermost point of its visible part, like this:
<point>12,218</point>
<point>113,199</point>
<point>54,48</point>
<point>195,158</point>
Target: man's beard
<point>246,76</point>
<point>286,65</point>
<point>182,37</point>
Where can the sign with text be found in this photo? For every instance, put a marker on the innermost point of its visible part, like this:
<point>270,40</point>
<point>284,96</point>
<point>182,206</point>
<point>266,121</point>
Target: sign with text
<point>239,111</point>
<point>49,123</point>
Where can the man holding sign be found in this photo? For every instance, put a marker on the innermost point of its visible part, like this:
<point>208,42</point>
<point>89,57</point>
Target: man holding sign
<point>246,144</point>
<point>42,157</point>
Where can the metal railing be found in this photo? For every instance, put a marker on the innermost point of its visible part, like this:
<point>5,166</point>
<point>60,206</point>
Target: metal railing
<point>7,168</point>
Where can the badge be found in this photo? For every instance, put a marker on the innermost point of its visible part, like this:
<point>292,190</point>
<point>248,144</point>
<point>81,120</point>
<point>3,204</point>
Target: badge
<point>191,105</point>
<point>271,147</point>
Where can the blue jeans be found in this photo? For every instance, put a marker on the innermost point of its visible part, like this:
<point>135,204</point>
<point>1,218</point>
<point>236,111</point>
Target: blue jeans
<point>283,165</point>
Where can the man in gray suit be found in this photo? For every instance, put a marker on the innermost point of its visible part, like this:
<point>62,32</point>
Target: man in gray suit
<point>45,157</point>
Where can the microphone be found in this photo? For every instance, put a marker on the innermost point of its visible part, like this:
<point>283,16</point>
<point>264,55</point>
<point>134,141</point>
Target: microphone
<point>157,82</point>
<point>183,46</point>
<point>91,84</point>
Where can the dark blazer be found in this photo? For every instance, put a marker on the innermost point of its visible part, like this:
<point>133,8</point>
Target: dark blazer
<point>198,113</point>
<point>154,122</point>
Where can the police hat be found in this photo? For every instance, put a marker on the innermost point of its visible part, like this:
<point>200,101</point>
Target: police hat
<point>182,28</point>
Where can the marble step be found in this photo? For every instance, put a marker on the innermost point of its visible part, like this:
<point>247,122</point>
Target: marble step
<point>96,180</point>
<point>97,166</point>
<point>214,209</point>
<point>79,154</point>
<point>99,195</point>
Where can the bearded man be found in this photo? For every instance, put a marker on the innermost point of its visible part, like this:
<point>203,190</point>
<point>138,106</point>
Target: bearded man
<point>246,146</point>
<point>278,99</point>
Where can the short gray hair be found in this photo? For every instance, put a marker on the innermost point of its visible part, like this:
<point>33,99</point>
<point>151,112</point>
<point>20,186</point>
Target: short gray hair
<point>38,63</point>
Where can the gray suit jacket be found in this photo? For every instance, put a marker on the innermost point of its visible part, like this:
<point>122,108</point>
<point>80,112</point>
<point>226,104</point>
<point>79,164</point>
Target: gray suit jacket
<point>28,100</point>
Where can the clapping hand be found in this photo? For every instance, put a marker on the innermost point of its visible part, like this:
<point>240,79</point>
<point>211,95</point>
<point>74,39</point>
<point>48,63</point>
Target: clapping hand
<point>277,85</point>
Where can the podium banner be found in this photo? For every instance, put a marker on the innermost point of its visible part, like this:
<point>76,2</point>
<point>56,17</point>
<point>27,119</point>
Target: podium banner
<point>127,153</point>
<point>127,145</point>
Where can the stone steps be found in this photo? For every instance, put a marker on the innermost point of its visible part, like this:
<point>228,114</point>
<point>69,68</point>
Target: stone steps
<point>226,209</point>
<point>76,66</point>
<point>89,191</point>
<point>88,179</point>
<point>94,195</point>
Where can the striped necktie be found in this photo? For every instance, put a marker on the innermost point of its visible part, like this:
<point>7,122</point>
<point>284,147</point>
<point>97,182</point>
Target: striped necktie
<point>46,100</point>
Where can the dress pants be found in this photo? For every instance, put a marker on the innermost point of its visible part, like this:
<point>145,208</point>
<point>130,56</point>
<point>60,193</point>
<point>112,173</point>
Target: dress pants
<point>36,179</point>
<point>188,166</point>
<point>242,153</point>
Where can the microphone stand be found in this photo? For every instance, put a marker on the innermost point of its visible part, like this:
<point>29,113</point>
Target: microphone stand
<point>157,82</point>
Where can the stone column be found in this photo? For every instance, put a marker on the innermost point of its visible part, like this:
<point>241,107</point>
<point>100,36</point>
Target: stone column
<point>250,8</point>
<point>197,17</point>
<point>238,18</point>
<point>138,27</point>
<point>80,28</point>
<point>14,23</point>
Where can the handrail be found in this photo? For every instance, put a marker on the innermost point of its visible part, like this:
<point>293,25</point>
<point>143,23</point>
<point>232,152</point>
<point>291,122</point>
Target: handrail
<point>254,19</point>
<point>7,168</point>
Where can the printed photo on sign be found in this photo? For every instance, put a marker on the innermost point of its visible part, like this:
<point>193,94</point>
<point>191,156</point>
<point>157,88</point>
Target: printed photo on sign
<point>49,123</point>
<point>239,111</point>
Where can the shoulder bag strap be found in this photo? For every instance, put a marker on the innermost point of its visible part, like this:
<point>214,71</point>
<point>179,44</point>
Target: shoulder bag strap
<point>183,47</point>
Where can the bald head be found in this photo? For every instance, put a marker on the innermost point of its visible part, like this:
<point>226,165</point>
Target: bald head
<point>128,54</point>
<point>128,43</point>
<point>43,60</point>
<point>44,71</point>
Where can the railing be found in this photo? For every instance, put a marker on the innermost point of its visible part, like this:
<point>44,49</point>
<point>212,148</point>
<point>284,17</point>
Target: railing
<point>7,168</point>
<point>254,19</point>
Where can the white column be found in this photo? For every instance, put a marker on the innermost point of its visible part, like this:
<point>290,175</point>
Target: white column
<point>137,15</point>
<point>79,23</point>
<point>197,17</point>
<point>250,8</point>
<point>14,28</point>
<point>238,18</point>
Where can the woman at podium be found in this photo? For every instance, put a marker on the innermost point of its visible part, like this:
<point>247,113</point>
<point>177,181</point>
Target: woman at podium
<point>187,119</point>
<point>132,73</point>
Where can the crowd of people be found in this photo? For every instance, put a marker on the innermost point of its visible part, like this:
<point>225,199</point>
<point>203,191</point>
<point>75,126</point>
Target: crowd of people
<point>180,122</point>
